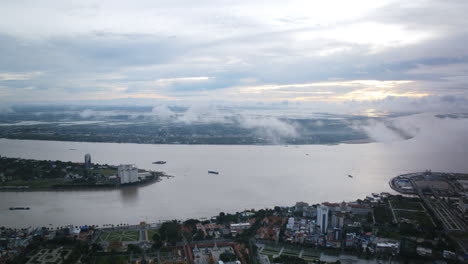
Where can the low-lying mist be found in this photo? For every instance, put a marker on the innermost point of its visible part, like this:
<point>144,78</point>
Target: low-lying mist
<point>218,124</point>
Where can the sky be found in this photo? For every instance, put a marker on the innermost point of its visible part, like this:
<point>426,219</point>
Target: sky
<point>392,55</point>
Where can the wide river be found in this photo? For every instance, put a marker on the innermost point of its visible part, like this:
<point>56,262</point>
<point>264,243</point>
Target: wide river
<point>250,177</point>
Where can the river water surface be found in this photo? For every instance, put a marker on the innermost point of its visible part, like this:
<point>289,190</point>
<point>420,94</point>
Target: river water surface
<point>250,177</point>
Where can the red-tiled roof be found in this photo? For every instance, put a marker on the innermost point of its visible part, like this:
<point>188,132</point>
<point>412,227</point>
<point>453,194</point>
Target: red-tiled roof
<point>331,204</point>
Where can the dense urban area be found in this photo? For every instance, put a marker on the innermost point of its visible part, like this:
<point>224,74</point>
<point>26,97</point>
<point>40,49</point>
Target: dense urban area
<point>427,222</point>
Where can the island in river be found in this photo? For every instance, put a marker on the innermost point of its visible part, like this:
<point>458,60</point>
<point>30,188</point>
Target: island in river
<point>27,174</point>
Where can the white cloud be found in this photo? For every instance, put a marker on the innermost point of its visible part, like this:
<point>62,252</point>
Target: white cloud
<point>232,50</point>
<point>17,76</point>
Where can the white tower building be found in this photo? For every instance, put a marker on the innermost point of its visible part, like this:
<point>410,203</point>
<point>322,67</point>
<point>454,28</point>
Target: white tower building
<point>128,173</point>
<point>322,218</point>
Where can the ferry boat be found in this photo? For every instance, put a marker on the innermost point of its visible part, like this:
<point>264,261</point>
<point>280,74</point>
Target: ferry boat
<point>159,162</point>
<point>19,208</point>
<point>213,172</point>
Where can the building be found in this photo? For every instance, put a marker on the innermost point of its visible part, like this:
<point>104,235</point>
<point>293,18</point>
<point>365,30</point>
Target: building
<point>322,218</point>
<point>424,252</point>
<point>337,219</point>
<point>239,228</point>
<point>310,212</point>
<point>128,174</point>
<point>290,224</point>
<point>299,207</point>
<point>334,207</point>
<point>350,237</point>
<point>87,161</point>
<point>359,209</point>
<point>387,247</point>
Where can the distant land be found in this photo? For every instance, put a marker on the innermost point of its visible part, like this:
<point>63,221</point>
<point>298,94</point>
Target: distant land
<point>176,125</point>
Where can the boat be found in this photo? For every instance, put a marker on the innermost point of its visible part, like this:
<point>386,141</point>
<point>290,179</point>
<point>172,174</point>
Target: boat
<point>350,176</point>
<point>159,162</point>
<point>213,172</point>
<point>19,208</point>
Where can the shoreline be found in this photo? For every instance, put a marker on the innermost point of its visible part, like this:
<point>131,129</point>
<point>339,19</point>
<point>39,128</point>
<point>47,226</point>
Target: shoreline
<point>347,142</point>
<point>61,188</point>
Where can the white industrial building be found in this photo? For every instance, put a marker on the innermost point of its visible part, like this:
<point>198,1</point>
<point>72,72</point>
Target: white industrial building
<point>128,174</point>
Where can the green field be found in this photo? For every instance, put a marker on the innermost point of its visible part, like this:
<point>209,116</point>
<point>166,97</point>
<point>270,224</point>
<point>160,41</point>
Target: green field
<point>308,254</point>
<point>151,233</point>
<point>111,259</point>
<point>105,172</point>
<point>44,183</point>
<point>126,236</point>
<point>407,204</point>
<point>423,219</point>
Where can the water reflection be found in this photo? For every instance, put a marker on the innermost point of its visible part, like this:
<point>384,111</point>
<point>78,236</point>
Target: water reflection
<point>129,195</point>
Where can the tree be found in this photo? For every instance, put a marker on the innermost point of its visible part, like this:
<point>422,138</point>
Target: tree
<point>227,256</point>
<point>157,241</point>
<point>199,235</point>
<point>170,232</point>
<point>134,249</point>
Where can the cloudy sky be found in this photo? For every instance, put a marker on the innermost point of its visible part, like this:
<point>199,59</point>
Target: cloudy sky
<point>311,52</point>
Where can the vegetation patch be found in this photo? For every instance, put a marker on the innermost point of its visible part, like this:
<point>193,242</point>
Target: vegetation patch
<point>112,236</point>
<point>407,204</point>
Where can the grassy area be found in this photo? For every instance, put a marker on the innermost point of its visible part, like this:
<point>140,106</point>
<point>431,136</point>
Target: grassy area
<point>311,253</point>
<point>46,183</point>
<point>270,251</point>
<point>131,236</point>
<point>460,235</point>
<point>308,254</point>
<point>421,217</point>
<point>382,215</point>
<point>111,259</point>
<point>407,204</point>
<point>105,172</point>
<point>389,234</point>
<point>128,235</point>
<point>151,233</point>
<point>291,251</point>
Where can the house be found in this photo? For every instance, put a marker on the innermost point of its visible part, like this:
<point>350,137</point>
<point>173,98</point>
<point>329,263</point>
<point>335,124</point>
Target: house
<point>359,209</point>
<point>300,206</point>
<point>239,228</point>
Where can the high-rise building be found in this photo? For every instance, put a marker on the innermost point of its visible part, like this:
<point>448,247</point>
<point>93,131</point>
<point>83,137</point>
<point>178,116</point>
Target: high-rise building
<point>87,161</point>
<point>337,219</point>
<point>322,218</point>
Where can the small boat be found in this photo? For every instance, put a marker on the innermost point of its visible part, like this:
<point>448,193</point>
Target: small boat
<point>213,172</point>
<point>350,176</point>
<point>159,162</point>
<point>19,208</point>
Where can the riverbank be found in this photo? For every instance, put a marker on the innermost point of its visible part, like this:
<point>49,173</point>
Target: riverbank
<point>89,187</point>
<point>45,175</point>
